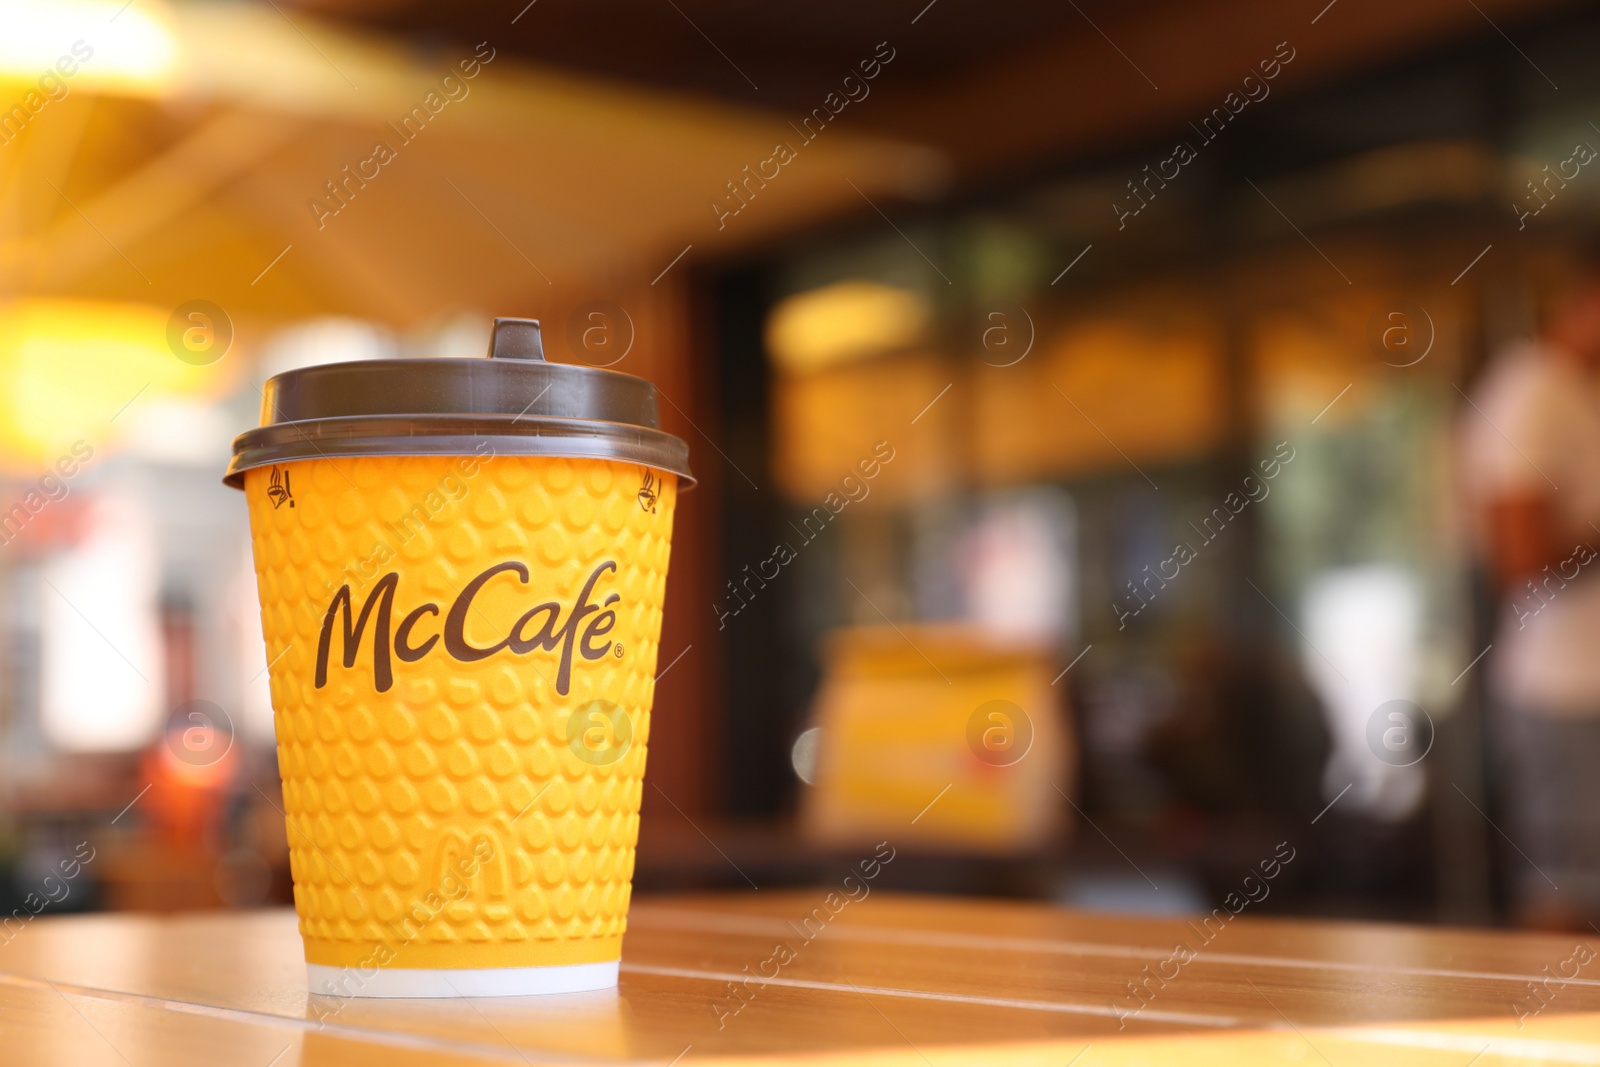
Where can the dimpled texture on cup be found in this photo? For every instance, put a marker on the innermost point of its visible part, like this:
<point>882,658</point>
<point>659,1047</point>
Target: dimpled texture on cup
<point>387,793</point>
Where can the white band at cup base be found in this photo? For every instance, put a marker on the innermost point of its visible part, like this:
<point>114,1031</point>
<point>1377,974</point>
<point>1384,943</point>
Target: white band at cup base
<point>465,982</point>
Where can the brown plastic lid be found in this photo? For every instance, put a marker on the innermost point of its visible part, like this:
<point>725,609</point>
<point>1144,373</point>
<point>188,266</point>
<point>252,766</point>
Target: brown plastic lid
<point>515,400</point>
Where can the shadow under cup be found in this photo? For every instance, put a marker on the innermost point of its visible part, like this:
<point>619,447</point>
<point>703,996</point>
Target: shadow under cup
<point>461,564</point>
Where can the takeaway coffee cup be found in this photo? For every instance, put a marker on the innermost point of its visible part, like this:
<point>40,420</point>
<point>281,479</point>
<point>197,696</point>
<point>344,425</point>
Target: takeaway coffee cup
<point>461,565</point>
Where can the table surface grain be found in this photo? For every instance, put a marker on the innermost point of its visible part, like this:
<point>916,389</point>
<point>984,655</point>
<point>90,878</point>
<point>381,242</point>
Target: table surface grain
<point>889,979</point>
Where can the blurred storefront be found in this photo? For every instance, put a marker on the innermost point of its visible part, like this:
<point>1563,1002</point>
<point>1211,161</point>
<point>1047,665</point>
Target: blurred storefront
<point>1198,440</point>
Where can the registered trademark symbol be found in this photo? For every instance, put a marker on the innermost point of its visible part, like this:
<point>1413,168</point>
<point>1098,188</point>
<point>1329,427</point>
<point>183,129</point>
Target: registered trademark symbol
<point>618,652</point>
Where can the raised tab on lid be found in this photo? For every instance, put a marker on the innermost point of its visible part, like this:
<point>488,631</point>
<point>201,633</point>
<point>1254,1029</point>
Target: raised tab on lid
<point>516,339</point>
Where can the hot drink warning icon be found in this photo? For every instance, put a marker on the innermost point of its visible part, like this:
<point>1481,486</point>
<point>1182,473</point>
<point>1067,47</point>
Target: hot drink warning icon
<point>278,490</point>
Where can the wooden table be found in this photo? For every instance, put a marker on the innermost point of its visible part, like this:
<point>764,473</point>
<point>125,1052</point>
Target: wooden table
<point>888,979</point>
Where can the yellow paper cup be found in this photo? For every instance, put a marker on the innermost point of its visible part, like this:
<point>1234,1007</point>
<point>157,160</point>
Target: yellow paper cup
<point>462,653</point>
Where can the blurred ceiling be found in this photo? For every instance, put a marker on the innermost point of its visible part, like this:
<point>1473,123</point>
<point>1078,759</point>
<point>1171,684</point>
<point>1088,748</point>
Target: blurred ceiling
<point>229,152</point>
<point>593,151</point>
<point>995,86</point>
<point>795,52</point>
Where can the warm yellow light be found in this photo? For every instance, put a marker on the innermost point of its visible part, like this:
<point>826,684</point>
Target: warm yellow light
<point>843,322</point>
<point>56,46</point>
<point>69,367</point>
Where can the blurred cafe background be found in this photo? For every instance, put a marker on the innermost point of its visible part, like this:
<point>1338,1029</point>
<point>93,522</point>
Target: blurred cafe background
<point>972,316</point>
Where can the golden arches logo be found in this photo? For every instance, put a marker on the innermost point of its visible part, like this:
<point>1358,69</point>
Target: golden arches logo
<point>471,867</point>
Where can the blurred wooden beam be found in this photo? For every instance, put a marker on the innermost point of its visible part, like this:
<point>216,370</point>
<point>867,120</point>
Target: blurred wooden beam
<point>153,196</point>
<point>44,148</point>
<point>364,284</point>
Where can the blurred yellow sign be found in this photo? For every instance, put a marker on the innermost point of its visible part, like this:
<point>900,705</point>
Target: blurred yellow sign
<point>70,368</point>
<point>939,736</point>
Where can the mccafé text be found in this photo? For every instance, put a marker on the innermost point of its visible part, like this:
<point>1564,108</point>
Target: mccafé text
<point>541,627</point>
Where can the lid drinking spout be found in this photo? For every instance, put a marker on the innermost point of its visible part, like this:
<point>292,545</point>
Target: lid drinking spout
<point>516,339</point>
